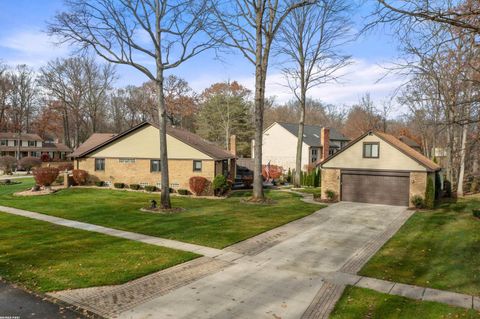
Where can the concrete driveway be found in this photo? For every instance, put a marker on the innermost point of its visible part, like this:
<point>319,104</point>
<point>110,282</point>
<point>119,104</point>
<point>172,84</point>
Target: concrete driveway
<point>283,280</point>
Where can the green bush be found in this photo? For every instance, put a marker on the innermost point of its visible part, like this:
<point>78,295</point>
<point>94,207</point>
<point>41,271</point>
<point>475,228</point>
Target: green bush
<point>311,179</point>
<point>289,176</point>
<point>100,183</point>
<point>331,195</point>
<point>476,212</point>
<point>220,184</point>
<point>119,185</point>
<point>183,191</point>
<point>150,188</point>
<point>418,201</point>
<point>135,187</point>
<point>430,194</point>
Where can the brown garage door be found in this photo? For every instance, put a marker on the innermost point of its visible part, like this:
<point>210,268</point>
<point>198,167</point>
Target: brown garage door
<point>390,188</point>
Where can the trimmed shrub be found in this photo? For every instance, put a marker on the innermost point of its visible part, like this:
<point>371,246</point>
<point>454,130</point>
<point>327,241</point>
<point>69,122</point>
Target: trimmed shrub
<point>80,176</point>
<point>66,167</point>
<point>183,191</point>
<point>274,172</point>
<point>247,181</point>
<point>119,185</point>
<point>45,157</point>
<point>331,195</point>
<point>430,194</point>
<point>8,163</point>
<point>45,176</point>
<point>135,187</point>
<point>476,213</point>
<point>198,184</point>
<point>289,176</point>
<point>220,184</point>
<point>100,183</point>
<point>150,188</point>
<point>29,162</point>
<point>418,201</point>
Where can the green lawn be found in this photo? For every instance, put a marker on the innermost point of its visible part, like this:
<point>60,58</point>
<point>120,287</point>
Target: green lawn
<point>439,249</point>
<point>368,304</point>
<point>209,222</point>
<point>47,257</point>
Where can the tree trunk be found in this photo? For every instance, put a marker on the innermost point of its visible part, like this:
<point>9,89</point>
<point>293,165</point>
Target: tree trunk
<point>260,73</point>
<point>162,116</point>
<point>301,128</point>
<point>463,152</point>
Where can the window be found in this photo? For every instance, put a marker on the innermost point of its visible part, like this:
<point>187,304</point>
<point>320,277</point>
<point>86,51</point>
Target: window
<point>99,164</point>
<point>371,150</point>
<point>155,166</point>
<point>197,166</point>
<point>3,142</point>
<point>126,160</point>
<point>331,151</point>
<point>32,143</point>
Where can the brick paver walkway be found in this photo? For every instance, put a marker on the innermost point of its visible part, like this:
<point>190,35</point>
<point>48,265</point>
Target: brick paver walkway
<point>109,301</point>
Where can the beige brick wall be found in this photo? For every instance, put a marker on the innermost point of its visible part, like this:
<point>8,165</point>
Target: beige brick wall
<point>418,185</point>
<point>330,181</point>
<point>180,171</point>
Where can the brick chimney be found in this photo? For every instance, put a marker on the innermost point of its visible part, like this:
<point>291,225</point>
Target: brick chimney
<point>233,144</point>
<point>324,142</point>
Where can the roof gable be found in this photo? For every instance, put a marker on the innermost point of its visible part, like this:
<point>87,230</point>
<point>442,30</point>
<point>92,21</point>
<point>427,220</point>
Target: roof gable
<point>180,143</point>
<point>389,160</point>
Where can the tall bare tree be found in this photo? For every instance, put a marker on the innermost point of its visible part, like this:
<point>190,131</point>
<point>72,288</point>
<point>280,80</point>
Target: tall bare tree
<point>140,33</point>
<point>250,26</point>
<point>311,38</point>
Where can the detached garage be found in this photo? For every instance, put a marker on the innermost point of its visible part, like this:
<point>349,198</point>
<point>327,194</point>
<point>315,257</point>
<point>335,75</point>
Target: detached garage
<point>377,168</point>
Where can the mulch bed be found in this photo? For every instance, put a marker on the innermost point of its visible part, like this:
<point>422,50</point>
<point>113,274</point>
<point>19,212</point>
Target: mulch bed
<point>173,210</point>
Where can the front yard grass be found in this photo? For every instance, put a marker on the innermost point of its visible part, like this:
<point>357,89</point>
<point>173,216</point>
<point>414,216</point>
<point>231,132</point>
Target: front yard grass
<point>208,222</point>
<point>438,249</point>
<point>309,190</point>
<point>368,304</point>
<point>46,257</point>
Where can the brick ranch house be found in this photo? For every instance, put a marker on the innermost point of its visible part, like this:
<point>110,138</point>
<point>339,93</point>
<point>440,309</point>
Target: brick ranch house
<point>377,168</point>
<point>133,157</point>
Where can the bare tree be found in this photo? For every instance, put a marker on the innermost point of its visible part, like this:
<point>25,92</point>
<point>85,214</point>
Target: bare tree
<point>250,26</point>
<point>140,33</point>
<point>310,38</point>
<point>464,16</point>
<point>22,101</point>
<point>5,90</point>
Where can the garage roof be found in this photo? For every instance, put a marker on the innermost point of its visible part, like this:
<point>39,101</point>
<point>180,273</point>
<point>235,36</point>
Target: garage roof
<point>395,142</point>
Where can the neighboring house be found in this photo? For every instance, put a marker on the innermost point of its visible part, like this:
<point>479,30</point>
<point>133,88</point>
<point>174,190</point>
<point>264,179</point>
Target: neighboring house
<point>133,157</point>
<point>280,144</point>
<point>377,168</point>
<point>31,145</point>
<point>407,140</point>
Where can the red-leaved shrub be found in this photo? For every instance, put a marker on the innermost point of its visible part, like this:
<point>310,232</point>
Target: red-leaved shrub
<point>80,176</point>
<point>45,157</point>
<point>198,184</point>
<point>45,176</point>
<point>274,172</point>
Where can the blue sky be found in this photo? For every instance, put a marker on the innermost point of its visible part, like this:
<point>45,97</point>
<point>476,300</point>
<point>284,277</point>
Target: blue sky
<point>22,40</point>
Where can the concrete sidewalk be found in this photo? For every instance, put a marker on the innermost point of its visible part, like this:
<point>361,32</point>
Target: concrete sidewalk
<point>201,250</point>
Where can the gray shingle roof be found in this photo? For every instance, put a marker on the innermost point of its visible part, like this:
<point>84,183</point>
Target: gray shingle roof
<point>312,133</point>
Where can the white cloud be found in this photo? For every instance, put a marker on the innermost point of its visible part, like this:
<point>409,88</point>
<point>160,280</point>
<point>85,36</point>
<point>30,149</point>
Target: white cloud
<point>32,47</point>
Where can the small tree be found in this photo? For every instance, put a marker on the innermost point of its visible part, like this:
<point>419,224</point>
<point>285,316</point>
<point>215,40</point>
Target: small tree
<point>45,176</point>
<point>29,162</point>
<point>430,194</point>
<point>8,163</point>
<point>198,185</point>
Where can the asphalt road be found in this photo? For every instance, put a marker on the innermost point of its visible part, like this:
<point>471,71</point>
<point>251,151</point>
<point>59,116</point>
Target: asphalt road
<point>16,303</point>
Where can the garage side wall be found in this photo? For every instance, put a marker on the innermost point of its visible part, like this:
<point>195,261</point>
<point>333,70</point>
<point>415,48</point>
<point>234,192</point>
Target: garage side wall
<point>330,181</point>
<point>418,185</point>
